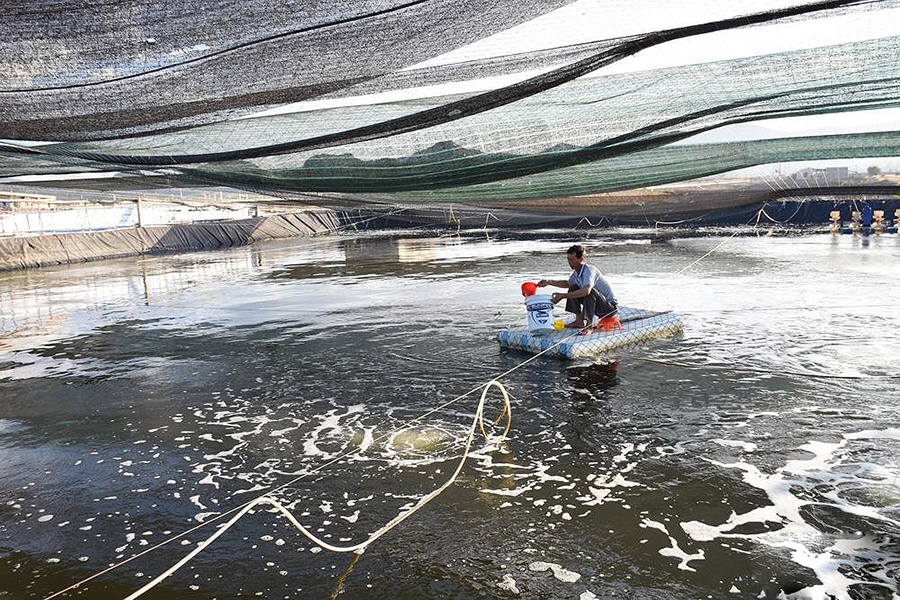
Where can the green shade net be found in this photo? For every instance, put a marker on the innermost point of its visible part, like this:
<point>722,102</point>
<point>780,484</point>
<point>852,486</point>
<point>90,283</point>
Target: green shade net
<point>197,94</point>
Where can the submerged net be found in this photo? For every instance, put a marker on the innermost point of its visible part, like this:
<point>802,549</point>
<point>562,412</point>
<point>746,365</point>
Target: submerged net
<point>434,101</point>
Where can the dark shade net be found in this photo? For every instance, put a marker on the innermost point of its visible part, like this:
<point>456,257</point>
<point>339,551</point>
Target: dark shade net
<point>155,91</point>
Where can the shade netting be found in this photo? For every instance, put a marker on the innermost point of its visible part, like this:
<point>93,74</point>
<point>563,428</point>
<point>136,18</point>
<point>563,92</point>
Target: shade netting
<point>434,101</point>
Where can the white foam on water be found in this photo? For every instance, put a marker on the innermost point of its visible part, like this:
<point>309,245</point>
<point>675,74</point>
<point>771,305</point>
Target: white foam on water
<point>258,487</point>
<point>508,584</point>
<point>627,449</point>
<point>368,439</point>
<point>331,422</point>
<point>351,518</point>
<point>282,433</point>
<point>839,559</point>
<point>745,446</point>
<point>195,500</point>
<point>822,451</point>
<point>515,479</point>
<point>674,550</point>
<point>558,571</point>
<point>874,356</point>
<point>677,448</point>
<point>209,479</point>
<point>513,492</point>
<point>602,485</point>
<point>891,433</point>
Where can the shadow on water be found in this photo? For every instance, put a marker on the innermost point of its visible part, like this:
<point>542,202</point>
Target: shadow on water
<point>591,382</point>
<point>589,392</point>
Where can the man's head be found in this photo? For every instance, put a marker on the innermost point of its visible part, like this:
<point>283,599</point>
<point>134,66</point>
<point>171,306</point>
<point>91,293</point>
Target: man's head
<point>575,256</point>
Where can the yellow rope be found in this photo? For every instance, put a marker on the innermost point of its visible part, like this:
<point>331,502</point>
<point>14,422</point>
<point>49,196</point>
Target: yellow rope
<point>339,588</point>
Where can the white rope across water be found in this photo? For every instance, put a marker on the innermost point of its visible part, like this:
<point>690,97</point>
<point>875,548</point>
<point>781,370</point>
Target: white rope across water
<point>477,421</point>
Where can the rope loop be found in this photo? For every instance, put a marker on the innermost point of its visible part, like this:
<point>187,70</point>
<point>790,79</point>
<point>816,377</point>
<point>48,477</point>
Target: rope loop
<point>506,411</point>
<point>359,548</point>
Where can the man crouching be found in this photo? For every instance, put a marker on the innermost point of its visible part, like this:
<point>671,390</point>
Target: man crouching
<point>589,293</point>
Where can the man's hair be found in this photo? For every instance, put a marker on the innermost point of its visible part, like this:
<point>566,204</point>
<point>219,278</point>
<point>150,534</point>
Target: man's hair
<point>577,250</point>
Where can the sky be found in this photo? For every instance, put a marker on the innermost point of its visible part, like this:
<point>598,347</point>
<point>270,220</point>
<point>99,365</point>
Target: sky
<point>578,22</point>
<point>590,20</point>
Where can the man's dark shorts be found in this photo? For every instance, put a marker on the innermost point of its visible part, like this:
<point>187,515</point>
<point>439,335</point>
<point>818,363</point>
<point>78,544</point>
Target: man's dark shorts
<point>593,304</point>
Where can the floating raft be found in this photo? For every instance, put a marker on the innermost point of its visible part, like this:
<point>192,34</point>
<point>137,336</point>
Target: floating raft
<point>638,325</point>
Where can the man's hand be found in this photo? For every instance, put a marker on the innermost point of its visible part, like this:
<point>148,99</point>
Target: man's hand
<point>556,297</point>
<point>542,283</point>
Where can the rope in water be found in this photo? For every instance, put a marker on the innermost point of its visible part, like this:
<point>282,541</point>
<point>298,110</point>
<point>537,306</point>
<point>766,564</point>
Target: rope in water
<point>244,508</point>
<point>266,498</point>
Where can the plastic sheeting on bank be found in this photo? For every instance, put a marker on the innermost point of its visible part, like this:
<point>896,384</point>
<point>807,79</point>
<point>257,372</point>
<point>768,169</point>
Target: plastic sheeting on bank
<point>39,251</point>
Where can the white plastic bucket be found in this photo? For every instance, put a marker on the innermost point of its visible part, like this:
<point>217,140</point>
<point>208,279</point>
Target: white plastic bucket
<point>540,313</point>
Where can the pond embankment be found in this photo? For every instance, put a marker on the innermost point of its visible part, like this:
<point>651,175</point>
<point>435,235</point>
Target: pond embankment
<point>52,249</point>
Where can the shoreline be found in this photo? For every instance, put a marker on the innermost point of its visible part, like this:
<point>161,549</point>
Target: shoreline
<point>669,214</point>
<point>28,252</point>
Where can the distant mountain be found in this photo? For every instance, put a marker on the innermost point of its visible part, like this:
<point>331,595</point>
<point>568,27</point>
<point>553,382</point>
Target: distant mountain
<point>441,151</point>
<point>446,149</point>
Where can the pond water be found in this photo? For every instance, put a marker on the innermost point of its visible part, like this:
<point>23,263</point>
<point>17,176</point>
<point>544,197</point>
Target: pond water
<point>757,455</point>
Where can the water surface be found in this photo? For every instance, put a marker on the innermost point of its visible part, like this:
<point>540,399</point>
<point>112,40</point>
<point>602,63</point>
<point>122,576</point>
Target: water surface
<point>754,456</point>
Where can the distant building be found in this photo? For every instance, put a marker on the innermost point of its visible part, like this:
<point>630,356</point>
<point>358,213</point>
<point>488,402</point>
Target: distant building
<point>826,176</point>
